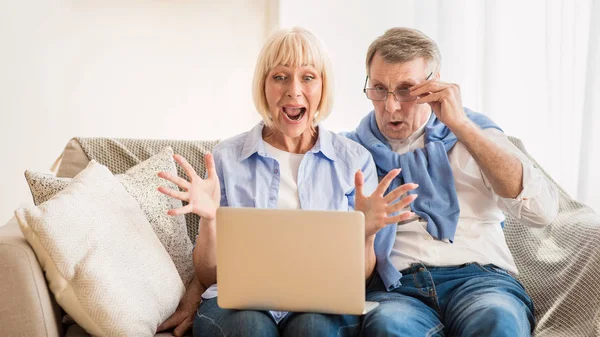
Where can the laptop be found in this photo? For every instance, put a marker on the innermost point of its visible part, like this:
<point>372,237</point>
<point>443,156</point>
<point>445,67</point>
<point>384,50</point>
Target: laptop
<point>291,260</point>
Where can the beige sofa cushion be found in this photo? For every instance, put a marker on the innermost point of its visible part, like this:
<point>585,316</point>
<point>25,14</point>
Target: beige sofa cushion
<point>142,182</point>
<point>102,260</point>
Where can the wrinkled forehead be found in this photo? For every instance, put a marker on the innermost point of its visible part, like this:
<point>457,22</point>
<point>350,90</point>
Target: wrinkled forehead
<point>398,73</point>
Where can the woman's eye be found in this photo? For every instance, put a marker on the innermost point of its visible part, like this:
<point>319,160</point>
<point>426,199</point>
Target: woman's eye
<point>309,78</point>
<point>279,78</point>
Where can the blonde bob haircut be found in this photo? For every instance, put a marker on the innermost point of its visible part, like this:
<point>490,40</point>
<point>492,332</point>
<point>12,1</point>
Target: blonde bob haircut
<point>292,47</point>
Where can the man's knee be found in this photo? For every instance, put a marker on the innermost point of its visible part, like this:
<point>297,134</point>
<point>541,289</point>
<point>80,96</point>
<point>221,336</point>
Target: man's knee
<point>400,319</point>
<point>505,316</point>
<point>499,320</point>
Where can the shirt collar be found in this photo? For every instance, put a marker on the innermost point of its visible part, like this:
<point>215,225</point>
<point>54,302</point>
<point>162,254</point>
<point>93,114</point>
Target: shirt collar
<point>254,143</point>
<point>324,144</point>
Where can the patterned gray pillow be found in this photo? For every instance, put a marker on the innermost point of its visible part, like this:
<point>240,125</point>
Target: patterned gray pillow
<point>141,182</point>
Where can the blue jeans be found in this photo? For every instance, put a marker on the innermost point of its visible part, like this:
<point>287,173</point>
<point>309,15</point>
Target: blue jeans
<point>467,300</point>
<point>211,320</point>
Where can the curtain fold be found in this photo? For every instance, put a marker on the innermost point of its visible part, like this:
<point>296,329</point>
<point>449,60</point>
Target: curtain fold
<point>589,165</point>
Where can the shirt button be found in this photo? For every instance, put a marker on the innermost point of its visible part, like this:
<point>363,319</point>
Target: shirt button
<point>427,237</point>
<point>271,198</point>
<point>276,171</point>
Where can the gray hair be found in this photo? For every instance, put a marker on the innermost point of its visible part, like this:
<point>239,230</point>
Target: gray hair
<point>398,45</point>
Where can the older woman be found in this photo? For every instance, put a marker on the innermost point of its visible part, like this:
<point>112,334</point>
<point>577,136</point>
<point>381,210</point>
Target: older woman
<point>286,161</point>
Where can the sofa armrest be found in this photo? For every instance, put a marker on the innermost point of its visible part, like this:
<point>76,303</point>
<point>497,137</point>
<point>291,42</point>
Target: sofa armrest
<point>27,308</point>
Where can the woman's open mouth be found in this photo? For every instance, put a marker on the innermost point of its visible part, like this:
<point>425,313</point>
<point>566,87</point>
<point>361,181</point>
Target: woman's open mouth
<point>294,114</point>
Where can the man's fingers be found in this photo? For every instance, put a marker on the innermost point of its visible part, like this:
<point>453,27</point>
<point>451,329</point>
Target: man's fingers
<point>209,161</point>
<point>182,183</point>
<point>386,181</point>
<point>358,183</point>
<point>183,196</point>
<point>427,87</point>
<point>435,97</point>
<point>399,191</point>
<point>424,83</point>
<point>189,170</point>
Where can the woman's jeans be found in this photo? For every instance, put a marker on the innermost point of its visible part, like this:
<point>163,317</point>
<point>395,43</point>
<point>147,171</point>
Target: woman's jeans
<point>211,320</point>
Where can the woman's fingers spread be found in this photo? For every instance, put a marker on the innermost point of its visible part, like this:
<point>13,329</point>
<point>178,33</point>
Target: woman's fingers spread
<point>183,196</point>
<point>182,183</point>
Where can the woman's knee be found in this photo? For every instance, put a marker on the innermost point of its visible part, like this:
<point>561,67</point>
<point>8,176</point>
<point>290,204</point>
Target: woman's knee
<point>313,324</point>
<point>211,320</point>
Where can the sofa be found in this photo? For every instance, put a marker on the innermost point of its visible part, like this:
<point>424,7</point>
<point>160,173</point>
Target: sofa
<point>559,265</point>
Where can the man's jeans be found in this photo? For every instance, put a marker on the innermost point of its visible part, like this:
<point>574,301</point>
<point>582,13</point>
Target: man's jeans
<point>467,300</point>
<point>211,320</point>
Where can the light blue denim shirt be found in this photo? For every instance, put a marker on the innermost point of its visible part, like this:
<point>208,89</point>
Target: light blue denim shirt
<point>249,176</point>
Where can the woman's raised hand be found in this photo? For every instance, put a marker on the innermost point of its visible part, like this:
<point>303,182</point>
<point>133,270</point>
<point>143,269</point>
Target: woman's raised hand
<point>378,208</point>
<point>203,195</point>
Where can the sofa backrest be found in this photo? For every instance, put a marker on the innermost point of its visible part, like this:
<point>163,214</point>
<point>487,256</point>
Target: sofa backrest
<point>564,253</point>
<point>119,154</point>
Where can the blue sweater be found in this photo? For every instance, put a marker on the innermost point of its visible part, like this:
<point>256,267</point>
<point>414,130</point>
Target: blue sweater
<point>430,168</point>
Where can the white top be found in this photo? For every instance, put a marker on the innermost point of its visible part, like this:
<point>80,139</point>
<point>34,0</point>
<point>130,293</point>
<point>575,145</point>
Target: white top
<point>479,236</point>
<point>288,175</point>
<point>289,163</point>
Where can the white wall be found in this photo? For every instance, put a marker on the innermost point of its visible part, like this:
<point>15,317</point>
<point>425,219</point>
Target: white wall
<point>347,28</point>
<point>523,63</point>
<point>182,70</point>
<point>121,68</point>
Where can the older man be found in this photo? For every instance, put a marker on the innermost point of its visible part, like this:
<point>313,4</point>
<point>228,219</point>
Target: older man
<point>447,271</point>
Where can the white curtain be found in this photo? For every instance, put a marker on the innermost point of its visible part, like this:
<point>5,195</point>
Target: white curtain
<point>532,66</point>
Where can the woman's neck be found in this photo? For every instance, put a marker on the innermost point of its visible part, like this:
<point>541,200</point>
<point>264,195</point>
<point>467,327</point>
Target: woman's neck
<point>300,145</point>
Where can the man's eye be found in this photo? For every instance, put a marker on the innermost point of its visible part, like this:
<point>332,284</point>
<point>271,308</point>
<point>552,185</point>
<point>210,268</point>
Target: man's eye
<point>380,88</point>
<point>403,92</point>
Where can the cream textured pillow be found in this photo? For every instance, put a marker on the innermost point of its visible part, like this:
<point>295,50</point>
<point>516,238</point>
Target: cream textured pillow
<point>141,181</point>
<point>102,260</point>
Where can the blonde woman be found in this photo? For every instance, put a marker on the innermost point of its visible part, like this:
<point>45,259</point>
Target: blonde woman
<point>286,161</point>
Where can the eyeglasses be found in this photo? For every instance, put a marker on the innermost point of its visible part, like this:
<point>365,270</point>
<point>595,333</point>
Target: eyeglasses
<point>380,94</point>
